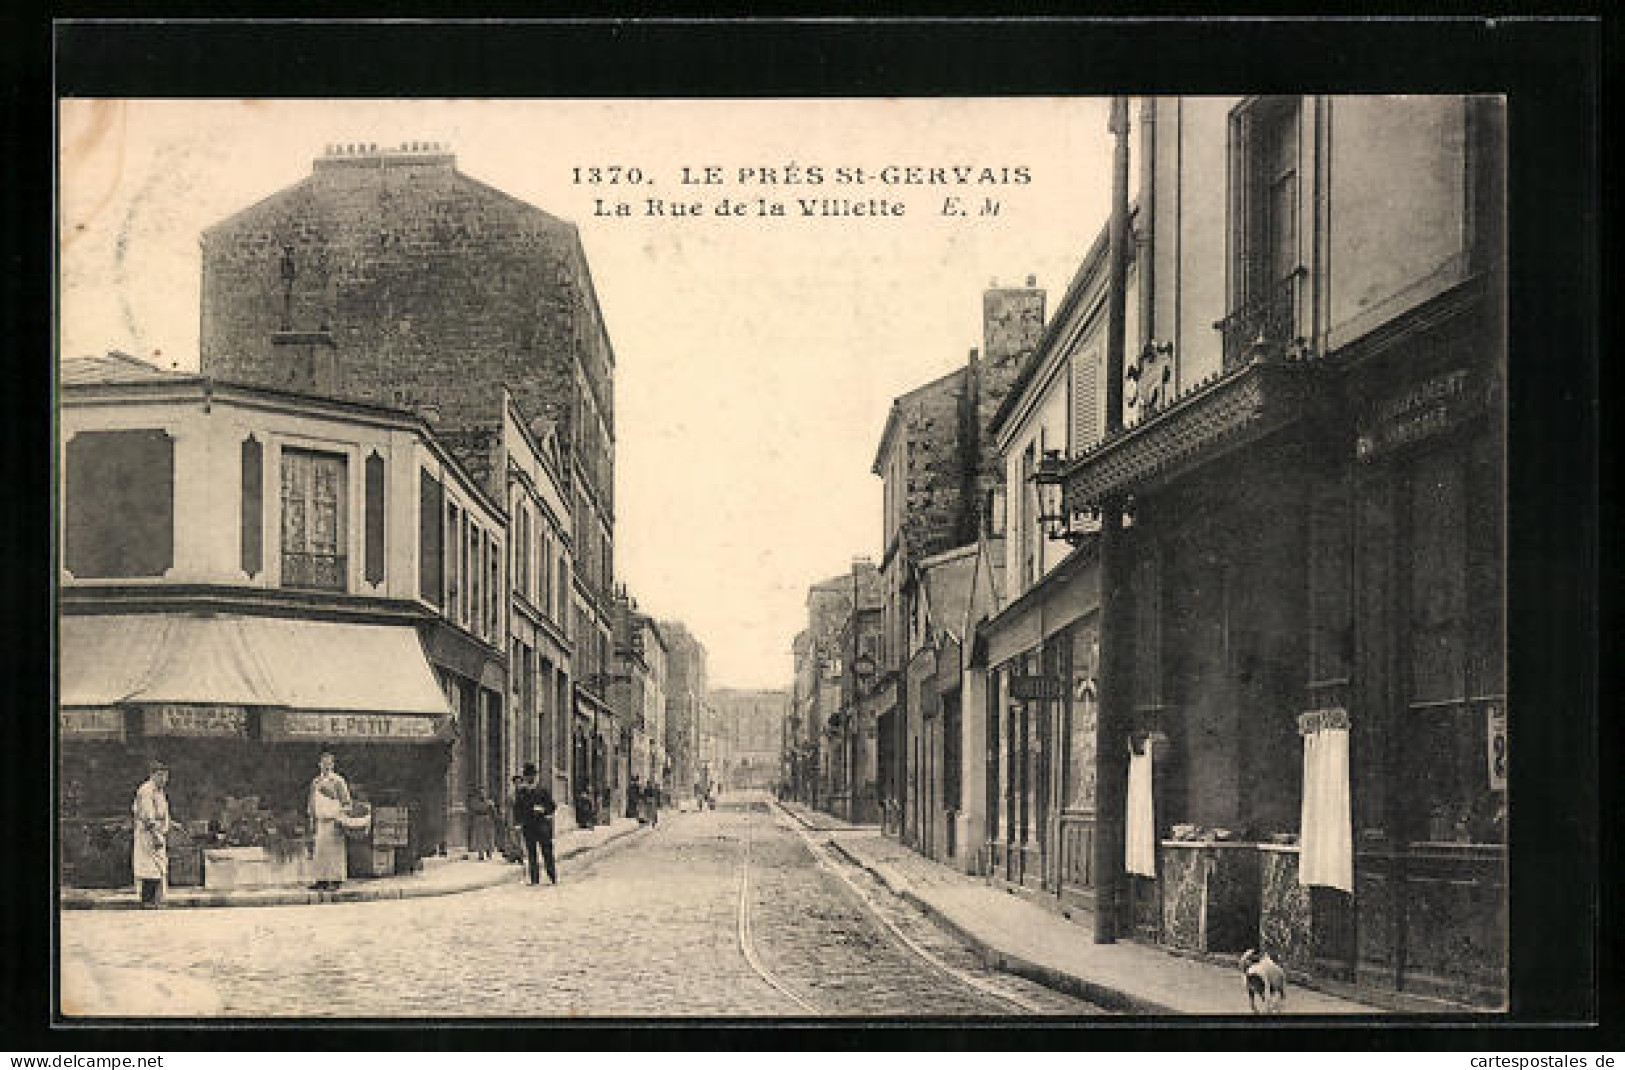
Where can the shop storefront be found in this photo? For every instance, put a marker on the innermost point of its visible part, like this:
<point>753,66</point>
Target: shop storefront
<point>1040,715</point>
<point>1316,579</point>
<point>1428,705</point>
<point>241,708</point>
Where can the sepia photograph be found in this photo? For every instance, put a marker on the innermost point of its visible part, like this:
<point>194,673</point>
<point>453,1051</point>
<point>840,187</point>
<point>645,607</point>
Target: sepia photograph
<point>974,557</point>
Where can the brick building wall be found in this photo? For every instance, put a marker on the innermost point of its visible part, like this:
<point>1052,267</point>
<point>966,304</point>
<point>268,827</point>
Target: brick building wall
<point>433,289</point>
<point>932,434</point>
<point>1012,327</point>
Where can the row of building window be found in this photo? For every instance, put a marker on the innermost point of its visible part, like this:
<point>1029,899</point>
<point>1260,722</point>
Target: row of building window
<point>541,572</point>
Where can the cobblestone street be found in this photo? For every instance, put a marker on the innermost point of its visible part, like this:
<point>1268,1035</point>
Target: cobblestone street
<point>653,926</point>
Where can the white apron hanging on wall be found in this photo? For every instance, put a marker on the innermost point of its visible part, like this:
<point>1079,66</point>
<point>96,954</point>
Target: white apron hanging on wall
<point>1140,831</point>
<point>1326,839</point>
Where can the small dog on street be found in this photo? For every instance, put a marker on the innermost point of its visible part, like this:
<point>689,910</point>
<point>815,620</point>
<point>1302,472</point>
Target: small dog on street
<point>1266,981</point>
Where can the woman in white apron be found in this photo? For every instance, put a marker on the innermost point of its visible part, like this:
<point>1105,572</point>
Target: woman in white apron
<point>329,796</point>
<point>150,855</point>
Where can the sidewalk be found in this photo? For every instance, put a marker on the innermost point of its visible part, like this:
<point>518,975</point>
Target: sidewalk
<point>1025,939</point>
<point>438,877</point>
<point>818,821</point>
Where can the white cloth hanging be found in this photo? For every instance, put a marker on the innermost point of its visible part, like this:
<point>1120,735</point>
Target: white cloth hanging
<point>1326,837</point>
<point>1140,829</point>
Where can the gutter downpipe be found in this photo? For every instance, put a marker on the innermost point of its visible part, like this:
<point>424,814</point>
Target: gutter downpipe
<point>1111,771</point>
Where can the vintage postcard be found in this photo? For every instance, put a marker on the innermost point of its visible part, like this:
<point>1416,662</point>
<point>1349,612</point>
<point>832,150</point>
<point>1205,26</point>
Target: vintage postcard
<point>995,557</point>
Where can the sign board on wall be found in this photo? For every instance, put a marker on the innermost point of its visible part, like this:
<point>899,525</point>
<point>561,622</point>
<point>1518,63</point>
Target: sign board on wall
<point>354,727</point>
<point>91,722</point>
<point>1495,718</point>
<point>1037,687</point>
<point>1424,409</point>
<point>229,722</point>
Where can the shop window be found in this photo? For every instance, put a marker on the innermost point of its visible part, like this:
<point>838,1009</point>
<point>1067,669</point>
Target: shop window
<point>119,504</point>
<point>1079,790</point>
<point>1452,617</point>
<point>314,519</point>
<point>1265,195</point>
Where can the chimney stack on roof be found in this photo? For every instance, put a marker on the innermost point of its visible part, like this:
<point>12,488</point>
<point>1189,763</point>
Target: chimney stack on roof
<point>354,152</point>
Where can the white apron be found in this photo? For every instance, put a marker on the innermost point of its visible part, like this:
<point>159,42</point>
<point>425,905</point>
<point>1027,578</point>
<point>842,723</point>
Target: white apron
<point>150,854</point>
<point>328,854</point>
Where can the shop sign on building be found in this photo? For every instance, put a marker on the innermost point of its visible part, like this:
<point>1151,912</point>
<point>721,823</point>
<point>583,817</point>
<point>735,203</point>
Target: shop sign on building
<point>354,727</point>
<point>91,722</point>
<point>1495,719</point>
<point>1037,687</point>
<point>202,721</point>
<point>1422,410</point>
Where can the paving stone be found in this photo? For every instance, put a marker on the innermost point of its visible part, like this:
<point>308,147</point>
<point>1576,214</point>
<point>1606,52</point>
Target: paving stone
<point>645,928</point>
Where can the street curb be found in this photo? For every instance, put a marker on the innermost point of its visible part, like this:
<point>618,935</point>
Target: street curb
<point>844,826</point>
<point>1101,995</point>
<point>306,897</point>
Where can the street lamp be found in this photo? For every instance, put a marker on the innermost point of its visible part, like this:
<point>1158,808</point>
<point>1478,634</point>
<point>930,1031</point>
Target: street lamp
<point>863,669</point>
<point>1049,479</point>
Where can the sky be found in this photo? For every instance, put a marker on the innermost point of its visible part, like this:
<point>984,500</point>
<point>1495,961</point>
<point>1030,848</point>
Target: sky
<point>756,355</point>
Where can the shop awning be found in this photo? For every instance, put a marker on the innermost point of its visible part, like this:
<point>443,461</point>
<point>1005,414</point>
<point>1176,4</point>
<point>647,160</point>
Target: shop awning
<point>227,660</point>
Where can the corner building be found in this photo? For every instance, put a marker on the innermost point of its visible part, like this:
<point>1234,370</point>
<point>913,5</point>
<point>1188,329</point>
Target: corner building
<point>389,276</point>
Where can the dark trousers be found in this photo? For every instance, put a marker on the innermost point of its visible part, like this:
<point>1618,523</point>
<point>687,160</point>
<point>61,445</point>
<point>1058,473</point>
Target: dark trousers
<point>151,891</point>
<point>532,839</point>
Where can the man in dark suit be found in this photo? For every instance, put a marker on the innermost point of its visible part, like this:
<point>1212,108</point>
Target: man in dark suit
<point>533,809</point>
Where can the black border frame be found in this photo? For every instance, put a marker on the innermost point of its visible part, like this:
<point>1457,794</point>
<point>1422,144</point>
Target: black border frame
<point>1565,940</point>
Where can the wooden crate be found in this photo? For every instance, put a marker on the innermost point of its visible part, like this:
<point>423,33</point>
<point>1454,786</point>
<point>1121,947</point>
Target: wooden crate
<point>391,826</point>
<point>186,866</point>
<point>383,862</point>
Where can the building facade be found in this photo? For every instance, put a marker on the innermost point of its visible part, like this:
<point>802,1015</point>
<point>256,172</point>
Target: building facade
<point>639,692</point>
<point>687,681</point>
<point>1037,810</point>
<point>389,276</point>
<point>539,571</point>
<point>749,723</point>
<point>250,576</point>
<point>815,699</point>
<point>1315,564</point>
<point>942,484</point>
<point>855,743</point>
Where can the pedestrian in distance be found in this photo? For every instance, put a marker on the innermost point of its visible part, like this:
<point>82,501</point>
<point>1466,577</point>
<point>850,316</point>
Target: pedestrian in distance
<point>150,857</point>
<point>482,824</point>
<point>634,800</point>
<point>534,808</point>
<point>651,803</point>
<point>329,799</point>
<point>513,842</point>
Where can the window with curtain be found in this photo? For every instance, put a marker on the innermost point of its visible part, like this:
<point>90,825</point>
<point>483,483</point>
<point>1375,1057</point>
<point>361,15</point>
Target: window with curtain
<point>454,555</point>
<point>313,520</point>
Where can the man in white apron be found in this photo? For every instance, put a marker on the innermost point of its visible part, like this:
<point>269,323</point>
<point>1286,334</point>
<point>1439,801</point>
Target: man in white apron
<point>150,855</point>
<point>329,796</point>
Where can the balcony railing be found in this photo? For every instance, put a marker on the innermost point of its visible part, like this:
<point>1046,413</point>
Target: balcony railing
<point>1265,327</point>
<point>325,572</point>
